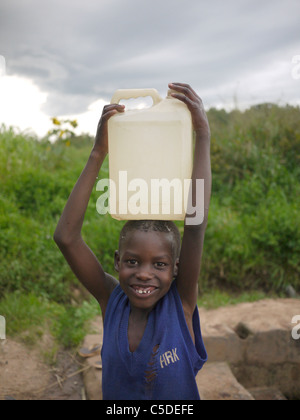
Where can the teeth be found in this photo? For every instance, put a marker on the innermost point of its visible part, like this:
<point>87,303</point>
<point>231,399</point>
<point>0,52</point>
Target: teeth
<point>143,291</point>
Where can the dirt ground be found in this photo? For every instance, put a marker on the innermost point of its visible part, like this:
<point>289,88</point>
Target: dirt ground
<point>25,376</point>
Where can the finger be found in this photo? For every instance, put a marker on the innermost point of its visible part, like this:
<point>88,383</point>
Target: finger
<point>181,84</point>
<point>183,98</point>
<point>107,115</point>
<point>184,88</point>
<point>110,107</point>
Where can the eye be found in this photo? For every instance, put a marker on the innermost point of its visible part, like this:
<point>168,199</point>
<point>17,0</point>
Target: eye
<point>160,265</point>
<point>132,262</point>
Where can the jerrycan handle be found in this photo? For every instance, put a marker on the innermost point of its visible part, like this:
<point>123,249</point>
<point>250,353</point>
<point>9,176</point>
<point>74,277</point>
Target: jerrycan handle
<point>135,93</point>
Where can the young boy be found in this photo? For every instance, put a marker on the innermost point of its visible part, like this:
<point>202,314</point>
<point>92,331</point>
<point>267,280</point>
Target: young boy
<point>152,347</point>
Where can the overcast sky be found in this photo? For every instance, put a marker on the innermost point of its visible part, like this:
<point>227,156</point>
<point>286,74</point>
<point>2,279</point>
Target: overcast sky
<point>66,57</point>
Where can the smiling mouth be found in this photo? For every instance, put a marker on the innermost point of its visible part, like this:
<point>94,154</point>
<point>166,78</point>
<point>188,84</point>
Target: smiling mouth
<point>143,291</point>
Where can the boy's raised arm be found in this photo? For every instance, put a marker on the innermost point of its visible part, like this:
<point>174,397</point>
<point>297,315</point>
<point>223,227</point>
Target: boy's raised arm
<point>68,237</point>
<point>193,238</point>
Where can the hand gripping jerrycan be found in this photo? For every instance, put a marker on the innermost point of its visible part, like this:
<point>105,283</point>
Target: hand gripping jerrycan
<point>150,158</point>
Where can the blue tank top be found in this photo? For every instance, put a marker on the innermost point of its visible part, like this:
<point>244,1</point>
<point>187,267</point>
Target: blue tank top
<point>165,364</point>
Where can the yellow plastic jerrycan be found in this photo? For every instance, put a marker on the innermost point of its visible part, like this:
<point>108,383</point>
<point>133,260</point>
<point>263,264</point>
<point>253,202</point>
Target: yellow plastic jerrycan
<point>150,158</point>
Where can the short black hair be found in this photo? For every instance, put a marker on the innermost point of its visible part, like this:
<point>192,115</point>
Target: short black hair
<point>154,226</point>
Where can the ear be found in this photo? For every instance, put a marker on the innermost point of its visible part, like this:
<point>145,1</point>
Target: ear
<point>117,261</point>
<point>176,267</point>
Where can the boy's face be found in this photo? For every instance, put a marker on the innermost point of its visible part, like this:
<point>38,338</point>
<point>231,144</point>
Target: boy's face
<point>146,267</point>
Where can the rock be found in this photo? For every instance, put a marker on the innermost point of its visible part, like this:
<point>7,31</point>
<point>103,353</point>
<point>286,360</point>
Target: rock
<point>222,343</point>
<point>217,382</point>
<point>290,292</point>
<point>263,352</point>
<point>261,316</point>
<point>93,381</point>
<point>267,394</point>
<point>284,377</point>
<point>92,377</point>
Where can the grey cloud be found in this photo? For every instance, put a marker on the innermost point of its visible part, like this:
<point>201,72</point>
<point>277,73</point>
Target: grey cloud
<point>79,51</point>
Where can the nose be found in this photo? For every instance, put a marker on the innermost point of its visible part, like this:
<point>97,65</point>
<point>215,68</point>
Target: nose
<point>144,274</point>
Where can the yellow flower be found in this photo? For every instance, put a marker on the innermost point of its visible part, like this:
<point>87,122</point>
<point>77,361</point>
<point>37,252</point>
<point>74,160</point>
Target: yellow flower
<point>74,123</point>
<point>62,132</point>
<point>55,121</point>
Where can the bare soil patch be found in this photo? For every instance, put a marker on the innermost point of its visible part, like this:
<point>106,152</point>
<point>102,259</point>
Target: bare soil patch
<point>25,376</point>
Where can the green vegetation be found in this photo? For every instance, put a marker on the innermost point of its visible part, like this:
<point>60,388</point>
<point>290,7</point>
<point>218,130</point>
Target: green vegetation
<point>252,241</point>
<point>31,317</point>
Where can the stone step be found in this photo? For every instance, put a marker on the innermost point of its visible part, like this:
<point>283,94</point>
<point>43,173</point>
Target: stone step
<point>216,382</point>
<point>256,340</point>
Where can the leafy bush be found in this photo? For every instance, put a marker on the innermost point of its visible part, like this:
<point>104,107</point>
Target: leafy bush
<point>253,237</point>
